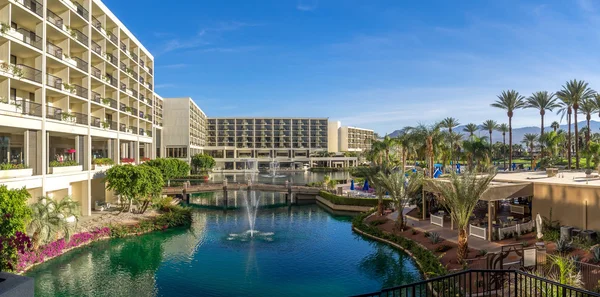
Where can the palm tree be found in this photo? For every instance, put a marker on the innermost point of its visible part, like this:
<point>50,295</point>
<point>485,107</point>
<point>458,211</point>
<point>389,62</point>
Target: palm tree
<point>490,125</point>
<point>542,101</point>
<point>475,150</point>
<point>552,140</point>
<point>503,128</point>
<point>555,125</point>
<point>471,129</point>
<point>430,135</point>
<point>50,218</point>
<point>401,189</point>
<point>576,92</point>
<point>566,109</point>
<point>510,101</point>
<point>450,123</point>
<point>460,195</point>
<point>587,108</point>
<point>529,139</point>
<point>371,174</point>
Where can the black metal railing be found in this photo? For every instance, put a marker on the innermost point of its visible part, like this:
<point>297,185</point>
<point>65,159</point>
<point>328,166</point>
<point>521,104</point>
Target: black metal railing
<point>54,50</point>
<point>123,87</point>
<point>134,111</point>
<point>123,66</point>
<point>54,19</point>
<point>123,107</point>
<point>133,129</point>
<point>123,46</point>
<point>96,97</point>
<point>141,79</point>
<point>81,10</point>
<point>81,64</point>
<point>28,72</point>
<point>141,97</point>
<point>149,133</point>
<point>96,23</point>
<point>142,63</point>
<point>96,72</point>
<point>485,283</point>
<point>30,38</point>
<point>79,36</point>
<point>149,101</point>
<point>150,86</point>
<point>123,128</point>
<point>134,74</point>
<point>142,132</point>
<point>111,80</point>
<point>111,102</point>
<point>96,48</point>
<point>113,38</point>
<point>141,114</point>
<point>133,92</point>
<point>28,107</point>
<point>112,125</point>
<point>80,91</point>
<point>134,56</point>
<point>54,113</point>
<point>33,6</point>
<point>80,118</point>
<point>54,81</point>
<point>112,59</point>
<point>150,70</point>
<point>95,122</point>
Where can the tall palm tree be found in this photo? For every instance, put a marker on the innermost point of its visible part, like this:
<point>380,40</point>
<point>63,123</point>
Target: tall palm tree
<point>576,92</point>
<point>503,128</point>
<point>552,141</point>
<point>476,151</point>
<point>529,139</point>
<point>510,101</point>
<point>587,108</point>
<point>555,125</point>
<point>460,195</point>
<point>49,219</point>
<point>401,189</point>
<point>450,123</point>
<point>490,125</point>
<point>542,101</point>
<point>430,135</point>
<point>471,129</point>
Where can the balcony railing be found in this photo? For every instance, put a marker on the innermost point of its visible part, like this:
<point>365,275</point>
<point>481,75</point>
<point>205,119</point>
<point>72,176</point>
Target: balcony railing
<point>28,107</point>
<point>80,91</point>
<point>96,48</point>
<point>110,102</point>
<point>150,70</point>
<point>54,81</point>
<point>54,113</point>
<point>123,87</point>
<point>96,72</point>
<point>112,125</point>
<point>95,122</point>
<point>123,66</point>
<point>96,23</point>
<point>123,107</point>
<point>134,111</point>
<point>54,19</point>
<point>149,101</point>
<point>123,46</point>
<point>111,59</point>
<point>29,73</point>
<point>113,38</point>
<point>149,133</point>
<point>96,97</point>
<point>134,56</point>
<point>79,36</point>
<point>111,80</point>
<point>141,79</point>
<point>134,92</point>
<point>30,38</point>
<point>133,129</point>
<point>33,6</point>
<point>81,64</point>
<point>80,118</point>
<point>82,11</point>
<point>142,132</point>
<point>123,128</point>
<point>54,50</point>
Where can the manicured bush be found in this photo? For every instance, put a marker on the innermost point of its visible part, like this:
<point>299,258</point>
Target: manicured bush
<point>63,163</point>
<point>169,167</point>
<point>14,214</point>
<point>340,200</point>
<point>8,166</point>
<point>103,161</point>
<point>429,262</point>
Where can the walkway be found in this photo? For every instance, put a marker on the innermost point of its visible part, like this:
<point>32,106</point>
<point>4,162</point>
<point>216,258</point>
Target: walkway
<point>446,233</point>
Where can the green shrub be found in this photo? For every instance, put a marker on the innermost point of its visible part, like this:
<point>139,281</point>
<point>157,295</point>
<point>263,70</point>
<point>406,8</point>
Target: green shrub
<point>340,200</point>
<point>8,166</point>
<point>162,203</point>
<point>14,215</point>
<point>64,163</point>
<point>551,235</point>
<point>103,161</point>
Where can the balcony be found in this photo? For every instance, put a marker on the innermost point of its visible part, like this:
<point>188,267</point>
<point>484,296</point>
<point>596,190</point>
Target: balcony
<point>142,132</point>
<point>96,73</point>
<point>81,64</point>
<point>111,80</point>
<point>133,111</point>
<point>133,92</point>
<point>95,122</point>
<point>111,125</point>
<point>133,56</point>
<point>27,36</point>
<point>32,6</point>
<point>124,108</point>
<point>54,19</point>
<point>96,48</point>
<point>81,11</point>
<point>78,35</point>
<point>133,129</point>
<point>23,71</point>
<point>28,107</point>
<point>54,81</point>
<point>149,133</point>
<point>112,59</point>
<point>123,87</point>
<point>80,91</point>
<point>54,50</point>
<point>97,24</point>
<point>96,97</point>
<point>123,67</point>
<point>123,46</point>
<point>113,38</point>
<point>110,102</point>
<point>123,128</point>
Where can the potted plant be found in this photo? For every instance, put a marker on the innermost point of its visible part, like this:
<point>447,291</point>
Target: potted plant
<point>64,167</point>
<point>67,117</point>
<point>102,163</point>
<point>8,170</point>
<point>105,101</point>
<point>105,125</point>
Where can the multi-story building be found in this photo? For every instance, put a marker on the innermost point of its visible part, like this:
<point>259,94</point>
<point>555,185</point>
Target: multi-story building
<point>353,139</point>
<point>185,128</point>
<point>75,85</point>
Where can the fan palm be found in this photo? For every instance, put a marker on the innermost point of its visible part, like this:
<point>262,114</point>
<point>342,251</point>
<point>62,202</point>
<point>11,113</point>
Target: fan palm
<point>576,92</point>
<point>552,141</point>
<point>503,128</point>
<point>450,123</point>
<point>430,135</point>
<point>529,139</point>
<point>555,125</point>
<point>460,195</point>
<point>476,150</point>
<point>510,101</point>
<point>50,218</point>
<point>587,108</point>
<point>471,129</point>
<point>542,101</point>
<point>490,125</point>
<point>371,174</point>
<point>401,189</point>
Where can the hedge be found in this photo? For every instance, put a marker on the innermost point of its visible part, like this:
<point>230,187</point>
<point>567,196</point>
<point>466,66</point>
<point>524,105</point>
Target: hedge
<point>428,262</point>
<point>341,200</point>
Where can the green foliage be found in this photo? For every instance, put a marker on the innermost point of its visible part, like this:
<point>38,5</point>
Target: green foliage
<point>169,167</point>
<point>434,237</point>
<point>378,222</point>
<point>595,251</point>
<point>429,262</point>
<point>443,248</point>
<point>162,203</point>
<point>14,213</point>
<point>103,161</point>
<point>551,234</point>
<point>137,184</point>
<point>64,163</point>
<point>203,162</point>
<point>173,216</point>
<point>563,246</point>
<point>48,219</point>
<point>340,200</point>
<point>9,166</point>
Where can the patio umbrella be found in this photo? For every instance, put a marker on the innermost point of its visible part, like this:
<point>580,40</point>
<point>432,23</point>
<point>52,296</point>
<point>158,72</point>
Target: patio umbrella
<point>366,185</point>
<point>352,185</point>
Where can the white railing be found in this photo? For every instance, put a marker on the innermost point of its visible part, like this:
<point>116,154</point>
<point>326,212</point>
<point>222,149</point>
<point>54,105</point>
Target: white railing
<point>437,220</point>
<point>504,232</point>
<point>518,209</point>
<point>478,232</point>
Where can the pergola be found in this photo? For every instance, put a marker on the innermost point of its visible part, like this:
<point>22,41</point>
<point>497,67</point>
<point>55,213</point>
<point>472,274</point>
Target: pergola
<point>497,191</point>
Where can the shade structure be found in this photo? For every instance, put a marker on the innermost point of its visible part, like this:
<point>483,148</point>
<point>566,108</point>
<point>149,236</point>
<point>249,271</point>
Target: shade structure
<point>352,185</point>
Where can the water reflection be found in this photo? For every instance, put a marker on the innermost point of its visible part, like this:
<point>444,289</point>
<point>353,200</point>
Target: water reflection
<point>296,178</point>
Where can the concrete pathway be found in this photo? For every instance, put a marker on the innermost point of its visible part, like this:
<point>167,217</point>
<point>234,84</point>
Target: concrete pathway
<point>446,233</point>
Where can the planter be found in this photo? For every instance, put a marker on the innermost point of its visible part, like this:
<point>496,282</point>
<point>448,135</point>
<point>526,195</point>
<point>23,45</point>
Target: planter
<point>71,5</point>
<point>100,167</point>
<point>13,173</point>
<point>65,169</point>
<point>552,171</point>
<point>70,61</point>
<point>15,34</point>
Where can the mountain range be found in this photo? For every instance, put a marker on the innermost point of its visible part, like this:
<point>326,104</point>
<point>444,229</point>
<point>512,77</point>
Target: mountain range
<point>518,133</point>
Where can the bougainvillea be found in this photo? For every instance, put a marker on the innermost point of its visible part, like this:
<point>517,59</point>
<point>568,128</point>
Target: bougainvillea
<point>11,247</point>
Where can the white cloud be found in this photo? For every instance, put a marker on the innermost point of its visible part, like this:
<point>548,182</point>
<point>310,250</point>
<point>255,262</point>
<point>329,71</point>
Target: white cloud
<point>305,6</point>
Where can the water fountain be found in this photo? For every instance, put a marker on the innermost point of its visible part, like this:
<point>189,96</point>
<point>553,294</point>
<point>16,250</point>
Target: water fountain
<point>273,169</point>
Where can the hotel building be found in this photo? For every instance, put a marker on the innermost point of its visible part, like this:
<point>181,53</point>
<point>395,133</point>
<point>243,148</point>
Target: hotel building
<point>353,139</point>
<point>75,85</point>
<point>185,128</point>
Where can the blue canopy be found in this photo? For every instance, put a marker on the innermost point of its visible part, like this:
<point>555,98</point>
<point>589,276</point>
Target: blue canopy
<point>458,168</point>
<point>352,185</point>
<point>366,185</point>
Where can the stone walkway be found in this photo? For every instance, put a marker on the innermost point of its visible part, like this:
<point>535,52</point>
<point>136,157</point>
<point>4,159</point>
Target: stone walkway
<point>446,233</point>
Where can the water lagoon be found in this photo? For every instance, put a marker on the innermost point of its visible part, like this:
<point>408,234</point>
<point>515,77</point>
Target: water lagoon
<point>295,251</point>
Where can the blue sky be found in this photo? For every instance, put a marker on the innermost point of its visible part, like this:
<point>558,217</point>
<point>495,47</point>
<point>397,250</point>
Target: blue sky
<point>373,64</point>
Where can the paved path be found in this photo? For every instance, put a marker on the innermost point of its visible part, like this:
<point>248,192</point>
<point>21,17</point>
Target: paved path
<point>446,233</point>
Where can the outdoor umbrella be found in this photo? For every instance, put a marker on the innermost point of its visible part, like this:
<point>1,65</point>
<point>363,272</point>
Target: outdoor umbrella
<point>352,185</point>
<point>366,185</point>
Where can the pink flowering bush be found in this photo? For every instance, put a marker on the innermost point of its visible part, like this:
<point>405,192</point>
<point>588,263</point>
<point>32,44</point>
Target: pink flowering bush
<point>29,257</point>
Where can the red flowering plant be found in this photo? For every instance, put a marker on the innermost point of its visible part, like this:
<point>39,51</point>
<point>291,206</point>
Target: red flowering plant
<point>127,160</point>
<point>11,247</point>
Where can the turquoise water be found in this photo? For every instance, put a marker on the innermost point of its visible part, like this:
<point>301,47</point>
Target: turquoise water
<point>298,251</point>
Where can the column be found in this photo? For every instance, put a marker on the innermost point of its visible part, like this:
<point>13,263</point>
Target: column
<point>490,226</point>
<point>135,151</point>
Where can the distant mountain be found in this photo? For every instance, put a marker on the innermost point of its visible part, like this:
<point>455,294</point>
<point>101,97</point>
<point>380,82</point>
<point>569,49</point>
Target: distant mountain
<point>518,133</point>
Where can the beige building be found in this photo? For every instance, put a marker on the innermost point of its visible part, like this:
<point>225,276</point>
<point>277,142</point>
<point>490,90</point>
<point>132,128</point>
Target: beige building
<point>185,128</point>
<point>353,139</point>
<point>75,85</point>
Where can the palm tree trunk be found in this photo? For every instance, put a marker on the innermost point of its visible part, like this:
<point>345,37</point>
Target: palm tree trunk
<point>490,143</point>
<point>576,140</point>
<point>542,134</point>
<point>463,245</point>
<point>510,148</point>
<point>569,138</point>
<point>587,133</point>
<point>504,148</point>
